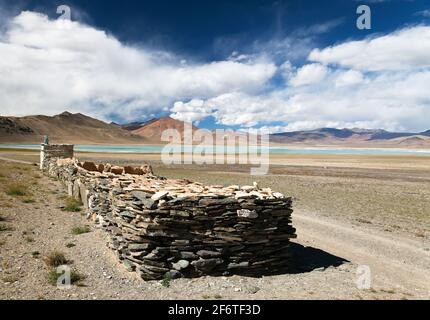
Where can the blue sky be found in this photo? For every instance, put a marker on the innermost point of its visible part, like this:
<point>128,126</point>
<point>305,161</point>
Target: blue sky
<point>281,65</point>
<point>210,30</point>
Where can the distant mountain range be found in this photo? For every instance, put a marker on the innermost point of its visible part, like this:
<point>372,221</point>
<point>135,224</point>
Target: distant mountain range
<point>353,137</point>
<point>65,127</point>
<point>153,129</point>
<point>81,129</point>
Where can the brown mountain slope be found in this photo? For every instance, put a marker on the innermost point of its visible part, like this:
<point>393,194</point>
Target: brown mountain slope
<point>414,141</point>
<point>63,128</point>
<point>136,125</point>
<point>332,136</point>
<point>153,130</point>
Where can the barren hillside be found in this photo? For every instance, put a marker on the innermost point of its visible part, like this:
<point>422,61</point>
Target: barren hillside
<point>153,130</point>
<point>64,128</point>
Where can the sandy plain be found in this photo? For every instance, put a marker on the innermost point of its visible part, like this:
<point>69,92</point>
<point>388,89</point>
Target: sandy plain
<point>350,211</point>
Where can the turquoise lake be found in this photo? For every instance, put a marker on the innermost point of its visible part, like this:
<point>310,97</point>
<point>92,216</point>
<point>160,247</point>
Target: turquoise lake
<point>272,150</point>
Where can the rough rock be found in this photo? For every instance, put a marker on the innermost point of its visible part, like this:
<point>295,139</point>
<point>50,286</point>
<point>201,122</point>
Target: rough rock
<point>244,213</point>
<point>180,265</point>
<point>161,226</point>
<point>117,170</point>
<point>90,166</point>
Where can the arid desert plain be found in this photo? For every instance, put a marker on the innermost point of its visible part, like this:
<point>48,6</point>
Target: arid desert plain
<point>351,212</point>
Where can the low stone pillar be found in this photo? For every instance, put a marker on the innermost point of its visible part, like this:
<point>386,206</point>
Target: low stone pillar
<point>50,151</point>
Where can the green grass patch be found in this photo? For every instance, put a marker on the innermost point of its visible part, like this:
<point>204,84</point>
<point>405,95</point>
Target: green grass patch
<point>16,190</point>
<point>72,205</point>
<point>166,280</point>
<point>81,230</point>
<point>76,277</point>
<point>4,227</point>
<point>56,259</point>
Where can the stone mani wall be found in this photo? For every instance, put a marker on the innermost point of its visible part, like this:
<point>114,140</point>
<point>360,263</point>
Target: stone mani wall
<point>55,151</point>
<point>179,228</point>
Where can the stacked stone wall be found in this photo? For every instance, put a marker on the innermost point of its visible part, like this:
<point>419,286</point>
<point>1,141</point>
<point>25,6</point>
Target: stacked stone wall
<point>178,228</point>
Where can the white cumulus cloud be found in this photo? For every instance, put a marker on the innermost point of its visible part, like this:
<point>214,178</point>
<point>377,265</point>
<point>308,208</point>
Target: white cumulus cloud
<point>359,87</point>
<point>349,78</point>
<point>48,65</point>
<point>309,74</point>
<point>192,111</point>
<point>402,50</point>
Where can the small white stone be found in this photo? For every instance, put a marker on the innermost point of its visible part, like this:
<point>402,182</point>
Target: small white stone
<point>256,194</point>
<point>244,213</point>
<point>159,195</point>
<point>181,264</point>
<point>242,195</point>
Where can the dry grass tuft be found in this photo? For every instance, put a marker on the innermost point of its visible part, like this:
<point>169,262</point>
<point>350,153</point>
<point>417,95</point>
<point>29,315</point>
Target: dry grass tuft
<point>5,204</point>
<point>29,239</point>
<point>166,280</point>
<point>16,190</point>
<point>420,234</point>
<point>56,259</point>
<point>4,227</point>
<point>81,230</point>
<point>364,221</point>
<point>72,205</point>
<point>28,200</point>
<point>76,277</point>
<point>11,278</point>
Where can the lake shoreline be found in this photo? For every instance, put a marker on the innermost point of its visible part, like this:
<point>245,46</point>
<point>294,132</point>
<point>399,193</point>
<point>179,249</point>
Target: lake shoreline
<point>273,149</point>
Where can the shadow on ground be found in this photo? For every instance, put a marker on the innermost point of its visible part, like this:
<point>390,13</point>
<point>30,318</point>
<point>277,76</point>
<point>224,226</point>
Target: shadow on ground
<point>306,259</point>
<point>302,260</point>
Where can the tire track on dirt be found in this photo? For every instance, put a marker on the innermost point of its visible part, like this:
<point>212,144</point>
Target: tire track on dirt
<point>394,260</point>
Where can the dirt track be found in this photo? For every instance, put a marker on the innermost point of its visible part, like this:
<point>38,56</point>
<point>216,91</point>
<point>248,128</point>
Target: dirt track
<point>394,261</point>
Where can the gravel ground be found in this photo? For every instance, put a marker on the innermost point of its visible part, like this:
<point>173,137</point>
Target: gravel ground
<point>329,249</point>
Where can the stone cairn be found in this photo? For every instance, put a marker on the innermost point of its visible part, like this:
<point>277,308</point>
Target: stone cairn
<point>178,228</point>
